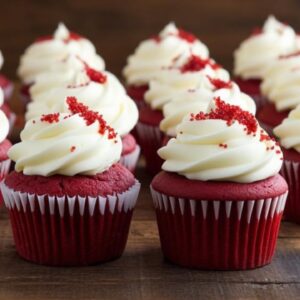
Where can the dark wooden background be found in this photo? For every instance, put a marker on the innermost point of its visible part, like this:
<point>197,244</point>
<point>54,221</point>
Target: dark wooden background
<point>116,27</point>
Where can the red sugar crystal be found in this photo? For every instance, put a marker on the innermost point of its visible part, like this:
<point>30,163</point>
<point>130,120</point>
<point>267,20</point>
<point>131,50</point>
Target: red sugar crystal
<point>230,114</point>
<point>50,118</point>
<point>95,75</point>
<point>90,116</point>
<point>72,149</point>
<point>196,63</point>
<point>223,145</point>
<point>220,84</point>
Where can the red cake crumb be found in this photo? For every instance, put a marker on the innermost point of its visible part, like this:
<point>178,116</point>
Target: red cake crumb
<point>196,63</point>
<point>230,114</point>
<point>223,145</point>
<point>50,118</point>
<point>73,148</point>
<point>95,75</point>
<point>220,84</point>
<point>90,116</point>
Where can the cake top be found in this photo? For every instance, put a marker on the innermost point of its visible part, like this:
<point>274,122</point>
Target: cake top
<point>77,142</point>
<point>192,73</point>
<point>201,100</point>
<point>158,52</point>
<point>288,131</point>
<point>99,90</point>
<point>256,53</point>
<point>223,144</point>
<point>47,51</point>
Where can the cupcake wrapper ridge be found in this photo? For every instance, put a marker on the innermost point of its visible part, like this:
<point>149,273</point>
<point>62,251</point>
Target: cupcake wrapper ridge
<point>74,231</point>
<point>130,160</point>
<point>4,169</point>
<point>218,235</point>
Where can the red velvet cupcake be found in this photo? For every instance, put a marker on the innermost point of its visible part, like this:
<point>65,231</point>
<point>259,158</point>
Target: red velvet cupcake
<point>70,202</point>
<point>155,54</point>
<point>52,53</point>
<point>219,200</point>
<point>255,55</point>
<point>289,137</point>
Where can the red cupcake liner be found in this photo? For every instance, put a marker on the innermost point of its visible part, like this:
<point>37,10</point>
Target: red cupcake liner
<point>291,173</point>
<point>218,235</point>
<point>4,169</point>
<point>150,139</point>
<point>130,160</point>
<point>70,231</point>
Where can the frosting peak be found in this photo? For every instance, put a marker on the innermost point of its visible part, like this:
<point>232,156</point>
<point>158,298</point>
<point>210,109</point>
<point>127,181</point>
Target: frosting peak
<point>62,32</point>
<point>225,144</point>
<point>77,142</point>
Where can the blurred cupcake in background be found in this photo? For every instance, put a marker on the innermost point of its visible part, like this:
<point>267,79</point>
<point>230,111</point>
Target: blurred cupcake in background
<point>258,52</point>
<point>157,53</point>
<point>288,133</point>
<point>100,91</point>
<point>49,52</point>
<point>281,89</point>
<point>70,202</point>
<point>5,84</point>
<point>219,199</point>
<point>184,75</point>
<point>5,108</point>
<point>5,145</point>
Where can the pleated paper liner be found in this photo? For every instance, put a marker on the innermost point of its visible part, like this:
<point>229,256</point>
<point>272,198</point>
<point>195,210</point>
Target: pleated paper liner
<point>4,169</point>
<point>130,160</point>
<point>291,172</point>
<point>218,235</point>
<point>70,231</point>
<point>150,139</point>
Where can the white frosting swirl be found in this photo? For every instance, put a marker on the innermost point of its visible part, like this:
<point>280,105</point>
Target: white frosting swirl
<point>172,81</point>
<point>288,131</point>
<point>201,100</point>
<point>281,83</point>
<point>108,98</point>
<point>151,56</point>
<point>67,147</point>
<point>256,53</point>
<point>42,56</point>
<point>197,153</point>
<point>4,123</point>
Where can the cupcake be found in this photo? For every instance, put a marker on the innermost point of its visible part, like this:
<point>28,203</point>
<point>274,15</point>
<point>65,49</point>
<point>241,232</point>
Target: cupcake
<point>184,75</point>
<point>289,136</point>
<point>280,89</point>
<point>219,199</point>
<point>157,53</point>
<point>70,203</point>
<point>101,91</point>
<point>258,52</point>
<point>49,52</point>
<point>5,84</point>
<point>5,108</point>
<point>4,147</point>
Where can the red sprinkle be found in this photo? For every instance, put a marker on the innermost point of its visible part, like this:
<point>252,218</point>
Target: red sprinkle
<point>72,149</point>
<point>230,114</point>
<point>95,75</point>
<point>50,118</point>
<point>220,84</point>
<point>90,116</point>
<point>196,63</point>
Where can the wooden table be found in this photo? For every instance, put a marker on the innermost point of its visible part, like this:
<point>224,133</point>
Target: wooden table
<point>143,274</point>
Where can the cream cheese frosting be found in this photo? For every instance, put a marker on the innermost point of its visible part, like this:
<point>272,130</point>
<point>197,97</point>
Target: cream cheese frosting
<point>45,53</point>
<point>154,54</point>
<point>225,145</point>
<point>190,74</point>
<point>77,142</point>
<point>281,85</point>
<point>256,53</point>
<point>202,100</point>
<point>4,123</point>
<point>288,131</point>
<point>101,91</point>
